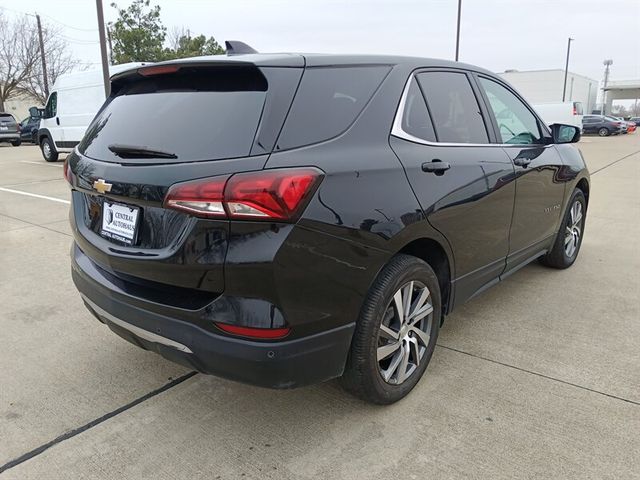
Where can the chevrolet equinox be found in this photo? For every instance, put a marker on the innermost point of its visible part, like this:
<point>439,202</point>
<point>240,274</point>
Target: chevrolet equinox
<point>286,219</point>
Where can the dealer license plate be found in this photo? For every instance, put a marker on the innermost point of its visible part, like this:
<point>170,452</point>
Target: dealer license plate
<point>119,222</point>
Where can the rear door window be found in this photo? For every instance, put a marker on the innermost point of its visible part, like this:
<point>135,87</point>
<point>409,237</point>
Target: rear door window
<point>328,101</point>
<point>197,113</point>
<point>415,118</point>
<point>454,108</point>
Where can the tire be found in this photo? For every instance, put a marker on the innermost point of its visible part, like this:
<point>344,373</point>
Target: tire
<point>562,255</point>
<point>48,150</point>
<point>16,143</point>
<point>604,132</point>
<point>364,374</point>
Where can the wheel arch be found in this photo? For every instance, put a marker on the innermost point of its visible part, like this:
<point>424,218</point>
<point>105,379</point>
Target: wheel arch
<point>583,185</point>
<point>432,252</point>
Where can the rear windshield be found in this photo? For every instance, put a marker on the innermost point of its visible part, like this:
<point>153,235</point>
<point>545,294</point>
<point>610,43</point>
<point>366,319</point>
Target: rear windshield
<point>7,118</point>
<point>193,114</point>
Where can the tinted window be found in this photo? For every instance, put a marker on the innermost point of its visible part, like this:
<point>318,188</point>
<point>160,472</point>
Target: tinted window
<point>516,123</point>
<point>51,108</point>
<point>198,114</point>
<point>453,107</point>
<point>415,119</point>
<point>7,118</point>
<point>327,103</point>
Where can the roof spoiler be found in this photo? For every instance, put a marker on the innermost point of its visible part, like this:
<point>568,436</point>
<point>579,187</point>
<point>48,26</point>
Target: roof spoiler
<point>234,47</point>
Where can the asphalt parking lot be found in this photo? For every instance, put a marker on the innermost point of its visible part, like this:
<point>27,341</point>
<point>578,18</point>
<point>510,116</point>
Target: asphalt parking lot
<point>539,377</point>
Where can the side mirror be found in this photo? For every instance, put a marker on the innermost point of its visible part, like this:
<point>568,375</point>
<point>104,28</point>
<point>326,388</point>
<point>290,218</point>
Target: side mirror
<point>565,133</point>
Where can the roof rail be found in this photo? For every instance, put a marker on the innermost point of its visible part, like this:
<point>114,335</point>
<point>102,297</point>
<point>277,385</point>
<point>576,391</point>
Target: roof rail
<point>234,47</point>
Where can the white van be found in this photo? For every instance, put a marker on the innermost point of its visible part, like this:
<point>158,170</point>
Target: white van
<point>567,113</point>
<point>74,100</point>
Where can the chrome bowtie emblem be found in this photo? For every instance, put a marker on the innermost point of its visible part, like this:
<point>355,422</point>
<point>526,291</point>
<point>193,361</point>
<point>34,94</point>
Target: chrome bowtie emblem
<point>101,186</point>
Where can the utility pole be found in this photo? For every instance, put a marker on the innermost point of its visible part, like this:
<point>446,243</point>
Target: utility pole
<point>44,62</point>
<point>566,69</point>
<point>458,30</point>
<point>110,46</point>
<point>103,49</point>
<point>607,64</point>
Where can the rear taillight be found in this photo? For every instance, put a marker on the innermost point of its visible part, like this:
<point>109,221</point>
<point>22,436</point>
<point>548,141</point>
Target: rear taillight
<point>258,333</point>
<point>66,171</point>
<point>265,195</point>
<point>575,112</point>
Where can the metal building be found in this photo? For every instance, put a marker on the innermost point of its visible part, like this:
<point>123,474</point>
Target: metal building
<point>545,86</point>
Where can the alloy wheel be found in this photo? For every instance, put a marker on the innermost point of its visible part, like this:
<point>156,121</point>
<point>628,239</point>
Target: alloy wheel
<point>573,230</point>
<point>404,333</point>
<point>46,149</point>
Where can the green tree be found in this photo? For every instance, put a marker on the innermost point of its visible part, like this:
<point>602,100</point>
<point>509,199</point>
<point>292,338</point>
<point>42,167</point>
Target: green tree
<point>138,35</point>
<point>183,45</point>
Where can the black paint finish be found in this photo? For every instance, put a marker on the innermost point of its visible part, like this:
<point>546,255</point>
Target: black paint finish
<point>493,209</point>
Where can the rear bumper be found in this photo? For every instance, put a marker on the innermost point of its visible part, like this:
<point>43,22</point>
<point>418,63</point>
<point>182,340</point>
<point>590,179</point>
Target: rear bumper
<point>9,137</point>
<point>282,364</point>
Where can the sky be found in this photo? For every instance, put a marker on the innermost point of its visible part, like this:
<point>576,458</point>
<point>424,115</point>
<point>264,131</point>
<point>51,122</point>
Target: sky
<point>495,34</point>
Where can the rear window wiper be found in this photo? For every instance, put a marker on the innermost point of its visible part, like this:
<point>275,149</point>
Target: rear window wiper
<point>131,151</point>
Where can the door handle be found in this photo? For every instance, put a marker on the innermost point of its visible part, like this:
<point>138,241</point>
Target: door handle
<point>435,166</point>
<point>58,120</point>
<point>522,162</point>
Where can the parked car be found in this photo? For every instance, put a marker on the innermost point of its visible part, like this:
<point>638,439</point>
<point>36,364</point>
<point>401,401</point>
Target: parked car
<point>568,113</point>
<point>635,120</point>
<point>306,217</point>
<point>29,129</point>
<point>624,124</point>
<point>631,126</point>
<point>602,125</point>
<point>73,102</point>
<point>9,129</point>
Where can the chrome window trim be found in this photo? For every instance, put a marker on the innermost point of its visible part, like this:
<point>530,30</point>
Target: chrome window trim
<point>397,131</point>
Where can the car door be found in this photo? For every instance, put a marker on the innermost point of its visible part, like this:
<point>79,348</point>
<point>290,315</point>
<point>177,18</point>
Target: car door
<point>463,182</point>
<point>538,166</point>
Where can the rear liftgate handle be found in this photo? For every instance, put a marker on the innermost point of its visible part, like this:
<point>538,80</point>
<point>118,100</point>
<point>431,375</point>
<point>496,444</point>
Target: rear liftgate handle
<point>436,166</point>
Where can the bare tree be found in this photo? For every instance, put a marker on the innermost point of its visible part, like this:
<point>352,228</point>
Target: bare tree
<point>19,54</point>
<point>20,64</point>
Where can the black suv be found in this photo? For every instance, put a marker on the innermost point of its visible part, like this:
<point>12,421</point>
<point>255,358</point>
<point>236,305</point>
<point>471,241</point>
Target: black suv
<point>306,217</point>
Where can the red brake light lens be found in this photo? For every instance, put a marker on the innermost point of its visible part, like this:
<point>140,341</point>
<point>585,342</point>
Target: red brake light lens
<point>278,194</point>
<point>200,197</point>
<point>159,70</point>
<point>272,194</point>
<point>66,171</point>
<point>261,333</point>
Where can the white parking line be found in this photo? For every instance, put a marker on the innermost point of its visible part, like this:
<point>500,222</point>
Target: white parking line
<point>59,165</point>
<point>35,195</point>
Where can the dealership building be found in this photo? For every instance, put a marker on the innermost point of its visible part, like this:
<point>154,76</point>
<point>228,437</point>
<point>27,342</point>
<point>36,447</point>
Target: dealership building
<point>545,86</point>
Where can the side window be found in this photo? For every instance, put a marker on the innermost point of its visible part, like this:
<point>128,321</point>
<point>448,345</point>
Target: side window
<point>415,118</point>
<point>51,109</point>
<point>327,102</point>
<point>453,107</point>
<point>515,121</point>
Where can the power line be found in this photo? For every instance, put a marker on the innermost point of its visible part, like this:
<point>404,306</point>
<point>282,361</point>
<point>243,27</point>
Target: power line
<point>50,18</point>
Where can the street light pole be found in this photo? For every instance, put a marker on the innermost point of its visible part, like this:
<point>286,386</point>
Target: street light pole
<point>458,30</point>
<point>566,69</point>
<point>607,64</point>
<point>103,49</point>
